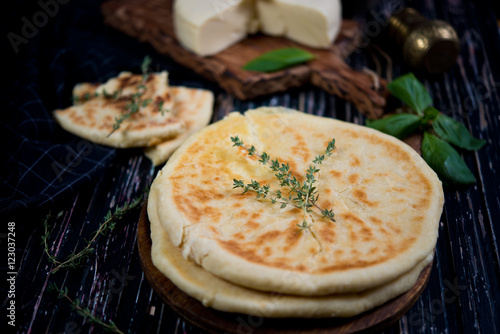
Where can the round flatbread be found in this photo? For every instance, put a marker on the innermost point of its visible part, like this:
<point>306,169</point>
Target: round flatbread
<point>100,105</point>
<point>387,203</point>
<point>194,107</point>
<point>224,296</point>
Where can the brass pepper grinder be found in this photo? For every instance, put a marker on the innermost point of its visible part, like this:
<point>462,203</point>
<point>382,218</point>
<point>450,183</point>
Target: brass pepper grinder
<point>429,45</point>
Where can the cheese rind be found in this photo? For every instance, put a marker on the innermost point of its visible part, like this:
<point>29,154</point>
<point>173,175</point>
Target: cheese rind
<point>210,26</point>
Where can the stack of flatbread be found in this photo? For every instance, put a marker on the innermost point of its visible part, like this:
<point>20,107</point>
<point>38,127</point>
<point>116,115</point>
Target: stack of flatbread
<point>235,252</point>
<point>166,115</point>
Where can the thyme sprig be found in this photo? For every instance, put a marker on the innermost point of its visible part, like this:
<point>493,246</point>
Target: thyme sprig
<point>85,311</point>
<point>135,100</point>
<point>76,259</point>
<point>302,195</point>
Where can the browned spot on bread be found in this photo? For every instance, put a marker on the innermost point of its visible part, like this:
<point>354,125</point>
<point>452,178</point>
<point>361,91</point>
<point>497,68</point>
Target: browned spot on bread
<point>204,195</point>
<point>120,104</point>
<point>353,236</point>
<point>422,203</point>
<point>238,236</point>
<point>242,214</point>
<point>292,236</point>
<point>354,178</point>
<point>384,231</point>
<point>76,118</point>
<point>129,81</point>
<point>91,112</point>
<point>251,225</point>
<point>327,233</point>
<point>238,249</point>
<point>249,253</point>
<point>255,215</point>
<point>301,267</point>
<point>354,162</point>
<point>366,233</point>
<point>214,230</point>
<point>300,148</point>
<point>187,206</point>
<point>267,237</point>
<point>376,220</point>
<point>352,219</point>
<point>267,251</point>
<point>361,196</point>
<point>335,173</point>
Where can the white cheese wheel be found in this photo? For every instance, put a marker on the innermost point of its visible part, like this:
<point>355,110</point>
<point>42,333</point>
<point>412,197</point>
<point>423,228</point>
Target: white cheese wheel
<point>210,26</point>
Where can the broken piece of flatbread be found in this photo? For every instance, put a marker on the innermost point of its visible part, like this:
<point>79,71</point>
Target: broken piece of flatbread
<point>102,105</point>
<point>194,107</point>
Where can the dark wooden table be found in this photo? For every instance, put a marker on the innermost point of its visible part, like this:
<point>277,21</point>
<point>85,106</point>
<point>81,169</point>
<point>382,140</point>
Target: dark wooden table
<point>463,294</point>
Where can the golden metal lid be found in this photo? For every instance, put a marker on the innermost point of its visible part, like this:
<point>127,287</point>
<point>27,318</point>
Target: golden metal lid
<point>430,45</point>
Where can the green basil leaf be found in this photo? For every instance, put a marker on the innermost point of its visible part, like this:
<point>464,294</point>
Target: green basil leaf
<point>408,89</point>
<point>278,59</point>
<point>430,114</point>
<point>445,161</point>
<point>399,126</point>
<point>456,133</point>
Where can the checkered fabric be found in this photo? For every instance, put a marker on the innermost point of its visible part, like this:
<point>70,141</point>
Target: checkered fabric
<point>54,45</point>
<point>41,163</point>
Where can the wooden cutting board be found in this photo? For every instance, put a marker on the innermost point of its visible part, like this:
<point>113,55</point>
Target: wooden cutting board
<point>151,21</point>
<point>217,322</point>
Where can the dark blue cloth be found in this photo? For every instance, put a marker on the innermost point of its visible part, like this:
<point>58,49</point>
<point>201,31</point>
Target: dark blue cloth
<point>53,45</point>
<point>41,162</point>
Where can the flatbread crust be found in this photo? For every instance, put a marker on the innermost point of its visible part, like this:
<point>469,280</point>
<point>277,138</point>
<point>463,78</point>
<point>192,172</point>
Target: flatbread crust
<point>387,203</point>
<point>94,117</point>
<point>224,296</point>
<point>194,107</point>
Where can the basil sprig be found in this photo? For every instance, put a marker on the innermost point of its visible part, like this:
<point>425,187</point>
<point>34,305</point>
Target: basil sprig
<point>278,59</point>
<point>441,133</point>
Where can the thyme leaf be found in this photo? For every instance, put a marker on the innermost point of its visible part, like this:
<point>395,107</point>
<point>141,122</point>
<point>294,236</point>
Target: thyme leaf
<point>76,259</point>
<point>85,311</point>
<point>300,195</point>
<point>135,101</point>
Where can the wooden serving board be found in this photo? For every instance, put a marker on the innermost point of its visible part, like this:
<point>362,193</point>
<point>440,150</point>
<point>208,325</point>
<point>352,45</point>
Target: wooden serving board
<point>217,322</point>
<point>151,21</point>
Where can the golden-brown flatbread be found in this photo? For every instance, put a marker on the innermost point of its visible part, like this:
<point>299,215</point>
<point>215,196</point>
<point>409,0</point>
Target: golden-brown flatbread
<point>224,296</point>
<point>193,106</point>
<point>387,203</point>
<point>93,116</point>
